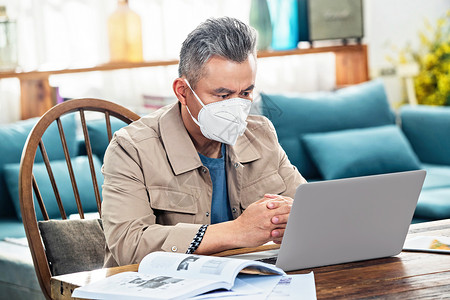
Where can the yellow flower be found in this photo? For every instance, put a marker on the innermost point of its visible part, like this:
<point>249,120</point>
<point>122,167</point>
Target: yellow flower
<point>445,47</point>
<point>432,84</point>
<point>424,39</point>
<point>430,60</point>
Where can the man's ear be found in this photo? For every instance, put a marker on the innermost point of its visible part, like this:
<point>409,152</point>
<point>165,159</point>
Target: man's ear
<point>179,88</point>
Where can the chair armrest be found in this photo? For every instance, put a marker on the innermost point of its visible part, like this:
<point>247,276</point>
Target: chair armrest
<point>428,130</point>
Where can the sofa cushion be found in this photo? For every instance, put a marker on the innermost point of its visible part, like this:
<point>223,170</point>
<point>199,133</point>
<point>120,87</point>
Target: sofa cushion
<point>434,200</point>
<point>13,137</point>
<point>433,204</point>
<point>359,106</point>
<point>73,245</point>
<point>438,176</point>
<point>18,279</point>
<point>361,152</point>
<point>428,130</point>
<point>98,134</point>
<point>11,227</point>
<point>81,169</point>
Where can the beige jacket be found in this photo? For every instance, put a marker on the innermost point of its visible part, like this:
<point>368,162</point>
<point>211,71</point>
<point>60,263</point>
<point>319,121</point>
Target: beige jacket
<point>157,193</point>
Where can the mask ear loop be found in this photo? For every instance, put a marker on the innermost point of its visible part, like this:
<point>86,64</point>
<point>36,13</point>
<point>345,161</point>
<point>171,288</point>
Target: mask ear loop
<point>198,99</point>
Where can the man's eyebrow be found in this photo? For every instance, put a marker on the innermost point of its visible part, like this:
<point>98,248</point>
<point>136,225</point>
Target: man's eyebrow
<point>251,87</point>
<point>223,90</point>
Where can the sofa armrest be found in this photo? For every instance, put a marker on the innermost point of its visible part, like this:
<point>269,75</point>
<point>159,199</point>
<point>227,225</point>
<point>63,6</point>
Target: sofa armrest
<point>428,130</point>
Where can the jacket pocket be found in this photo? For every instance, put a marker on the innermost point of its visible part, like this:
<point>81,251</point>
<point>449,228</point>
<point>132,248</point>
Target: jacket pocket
<point>254,191</point>
<point>171,207</point>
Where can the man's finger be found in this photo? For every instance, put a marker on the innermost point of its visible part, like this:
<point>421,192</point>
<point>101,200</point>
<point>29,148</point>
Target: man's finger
<point>277,234</point>
<point>280,219</point>
<point>282,210</point>
<point>271,204</point>
<point>271,196</point>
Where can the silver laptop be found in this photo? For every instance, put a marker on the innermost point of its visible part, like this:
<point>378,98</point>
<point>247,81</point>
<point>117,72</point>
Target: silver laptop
<point>345,220</point>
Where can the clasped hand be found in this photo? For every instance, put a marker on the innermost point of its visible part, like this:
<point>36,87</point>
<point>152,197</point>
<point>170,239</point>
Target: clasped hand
<point>265,220</point>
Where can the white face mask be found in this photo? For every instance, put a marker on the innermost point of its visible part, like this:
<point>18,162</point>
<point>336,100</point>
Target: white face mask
<point>223,121</point>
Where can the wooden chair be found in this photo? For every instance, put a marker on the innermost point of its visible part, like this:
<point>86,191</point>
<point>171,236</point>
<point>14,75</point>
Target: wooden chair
<point>28,184</point>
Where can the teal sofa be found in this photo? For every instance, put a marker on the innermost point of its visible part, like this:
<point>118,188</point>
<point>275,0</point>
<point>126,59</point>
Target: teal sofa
<point>428,130</point>
<point>354,132</point>
<point>17,276</point>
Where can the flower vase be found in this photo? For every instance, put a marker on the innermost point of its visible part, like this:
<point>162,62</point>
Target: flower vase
<point>260,20</point>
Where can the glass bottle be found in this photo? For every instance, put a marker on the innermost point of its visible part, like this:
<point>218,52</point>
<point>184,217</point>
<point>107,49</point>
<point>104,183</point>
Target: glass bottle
<point>8,42</point>
<point>125,34</point>
<point>285,28</point>
<point>260,20</point>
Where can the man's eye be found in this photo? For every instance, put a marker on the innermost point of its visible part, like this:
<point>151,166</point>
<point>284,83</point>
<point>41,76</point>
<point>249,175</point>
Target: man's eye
<point>246,94</point>
<point>223,96</point>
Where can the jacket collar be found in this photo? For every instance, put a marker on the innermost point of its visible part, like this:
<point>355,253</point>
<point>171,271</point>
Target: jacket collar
<point>244,149</point>
<point>180,149</point>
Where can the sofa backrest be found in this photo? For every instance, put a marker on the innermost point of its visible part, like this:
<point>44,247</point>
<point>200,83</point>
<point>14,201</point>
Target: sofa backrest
<point>359,106</point>
<point>428,130</point>
<point>12,140</point>
<point>97,132</point>
<point>10,169</point>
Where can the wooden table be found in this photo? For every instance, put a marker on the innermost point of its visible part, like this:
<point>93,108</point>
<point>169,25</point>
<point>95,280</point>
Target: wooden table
<point>409,275</point>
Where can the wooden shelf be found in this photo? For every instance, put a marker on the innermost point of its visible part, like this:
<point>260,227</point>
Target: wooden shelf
<point>130,65</point>
<point>36,94</point>
<point>102,67</point>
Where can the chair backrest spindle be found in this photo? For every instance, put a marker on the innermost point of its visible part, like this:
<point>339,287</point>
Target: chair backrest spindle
<point>108,126</point>
<point>39,199</point>
<point>76,193</point>
<point>52,180</point>
<point>87,142</point>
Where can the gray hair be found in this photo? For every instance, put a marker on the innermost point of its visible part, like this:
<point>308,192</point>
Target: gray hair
<point>224,37</point>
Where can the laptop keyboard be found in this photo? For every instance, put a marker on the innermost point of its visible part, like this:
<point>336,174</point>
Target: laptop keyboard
<point>269,260</point>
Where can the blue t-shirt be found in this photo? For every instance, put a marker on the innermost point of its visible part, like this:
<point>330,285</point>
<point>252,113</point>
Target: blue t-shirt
<point>220,206</point>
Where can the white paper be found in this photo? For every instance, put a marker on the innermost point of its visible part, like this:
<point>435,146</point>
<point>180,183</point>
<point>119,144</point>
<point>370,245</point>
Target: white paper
<point>277,287</point>
<point>240,288</point>
<point>266,283</point>
<point>425,243</point>
<point>299,286</point>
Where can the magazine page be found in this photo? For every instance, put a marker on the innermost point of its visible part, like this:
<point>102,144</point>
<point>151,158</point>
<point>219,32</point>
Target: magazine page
<point>440,244</point>
<point>239,289</point>
<point>201,267</point>
<point>134,285</point>
<point>275,287</point>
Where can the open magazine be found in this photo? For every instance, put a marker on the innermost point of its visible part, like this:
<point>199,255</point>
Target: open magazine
<point>163,275</point>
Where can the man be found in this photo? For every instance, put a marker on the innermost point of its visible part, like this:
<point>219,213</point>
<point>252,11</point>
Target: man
<point>200,161</point>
